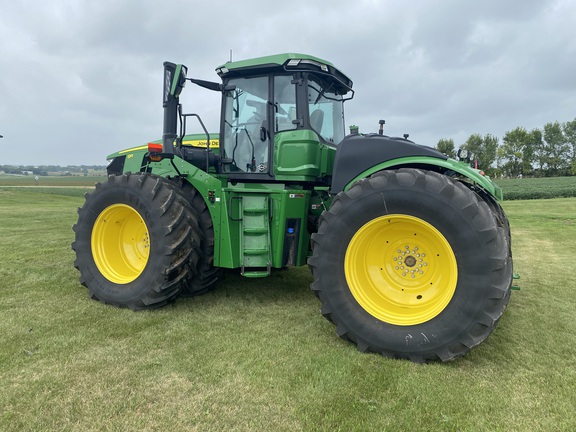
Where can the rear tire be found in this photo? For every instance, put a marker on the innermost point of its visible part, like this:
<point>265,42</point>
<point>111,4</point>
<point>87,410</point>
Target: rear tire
<point>437,298</point>
<point>137,241</point>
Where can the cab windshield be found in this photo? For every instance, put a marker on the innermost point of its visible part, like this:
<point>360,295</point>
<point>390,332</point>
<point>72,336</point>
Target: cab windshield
<point>326,110</point>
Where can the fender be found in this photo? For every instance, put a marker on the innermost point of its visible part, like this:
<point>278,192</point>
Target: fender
<point>359,156</point>
<point>433,164</point>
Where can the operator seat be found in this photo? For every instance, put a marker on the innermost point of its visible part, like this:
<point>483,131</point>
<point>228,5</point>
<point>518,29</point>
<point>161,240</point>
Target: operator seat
<point>316,120</point>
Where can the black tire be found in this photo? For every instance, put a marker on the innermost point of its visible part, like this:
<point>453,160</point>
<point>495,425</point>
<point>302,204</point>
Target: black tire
<point>206,275</point>
<point>499,214</point>
<point>137,241</point>
<point>503,223</point>
<point>480,287</point>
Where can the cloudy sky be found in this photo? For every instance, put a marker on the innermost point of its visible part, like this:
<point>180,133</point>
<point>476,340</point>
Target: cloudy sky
<point>82,79</point>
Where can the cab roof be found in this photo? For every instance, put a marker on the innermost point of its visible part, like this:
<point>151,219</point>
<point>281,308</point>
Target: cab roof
<point>282,62</point>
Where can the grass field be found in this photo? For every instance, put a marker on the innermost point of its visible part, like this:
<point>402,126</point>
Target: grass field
<point>257,354</point>
<point>49,181</point>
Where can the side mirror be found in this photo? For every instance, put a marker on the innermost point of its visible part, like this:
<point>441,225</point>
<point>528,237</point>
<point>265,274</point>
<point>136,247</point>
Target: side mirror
<point>174,81</point>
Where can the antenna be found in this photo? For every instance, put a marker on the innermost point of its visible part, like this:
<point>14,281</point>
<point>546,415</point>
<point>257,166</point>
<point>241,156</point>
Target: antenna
<point>230,56</point>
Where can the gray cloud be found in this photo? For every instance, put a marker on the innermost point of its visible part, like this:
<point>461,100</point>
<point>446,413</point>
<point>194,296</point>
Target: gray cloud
<point>80,80</point>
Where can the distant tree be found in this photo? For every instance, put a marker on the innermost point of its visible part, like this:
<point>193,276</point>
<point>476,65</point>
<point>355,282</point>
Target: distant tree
<point>446,146</point>
<point>474,144</point>
<point>556,150</point>
<point>484,149</point>
<point>532,143</point>
<point>516,154</point>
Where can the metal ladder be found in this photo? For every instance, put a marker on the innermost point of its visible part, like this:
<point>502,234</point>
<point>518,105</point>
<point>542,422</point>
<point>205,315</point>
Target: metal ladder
<point>256,256</point>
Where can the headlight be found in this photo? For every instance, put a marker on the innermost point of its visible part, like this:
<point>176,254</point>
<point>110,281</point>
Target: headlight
<point>465,155</point>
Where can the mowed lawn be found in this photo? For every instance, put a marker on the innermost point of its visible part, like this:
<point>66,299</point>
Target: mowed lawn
<point>257,354</point>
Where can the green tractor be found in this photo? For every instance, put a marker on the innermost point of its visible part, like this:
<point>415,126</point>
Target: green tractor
<point>409,249</point>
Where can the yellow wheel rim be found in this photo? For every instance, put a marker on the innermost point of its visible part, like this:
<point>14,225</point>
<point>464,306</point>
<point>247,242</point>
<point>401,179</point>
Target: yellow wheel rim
<point>401,269</point>
<point>120,243</point>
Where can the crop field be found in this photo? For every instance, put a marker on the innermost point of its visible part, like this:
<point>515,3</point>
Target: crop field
<point>257,354</point>
<point>538,188</point>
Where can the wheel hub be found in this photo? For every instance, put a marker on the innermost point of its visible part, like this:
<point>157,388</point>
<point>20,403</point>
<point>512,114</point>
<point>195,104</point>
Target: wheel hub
<point>410,261</point>
<point>401,269</point>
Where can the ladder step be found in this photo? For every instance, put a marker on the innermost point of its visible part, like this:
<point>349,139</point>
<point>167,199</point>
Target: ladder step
<point>256,273</point>
<point>256,252</point>
<point>255,210</point>
<point>255,230</point>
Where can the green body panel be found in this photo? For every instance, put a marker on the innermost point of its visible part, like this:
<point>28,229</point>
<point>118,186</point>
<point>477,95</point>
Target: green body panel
<point>327,155</point>
<point>134,159</point>
<point>300,156</point>
<point>297,156</point>
<point>449,164</point>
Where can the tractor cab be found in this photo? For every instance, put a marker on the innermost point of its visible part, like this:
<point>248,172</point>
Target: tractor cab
<point>281,117</point>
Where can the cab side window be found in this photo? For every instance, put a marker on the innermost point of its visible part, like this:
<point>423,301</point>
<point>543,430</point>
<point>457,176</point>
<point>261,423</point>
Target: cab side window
<point>284,103</point>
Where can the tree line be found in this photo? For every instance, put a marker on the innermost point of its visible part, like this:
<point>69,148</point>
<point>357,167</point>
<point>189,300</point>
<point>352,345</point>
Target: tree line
<point>546,152</point>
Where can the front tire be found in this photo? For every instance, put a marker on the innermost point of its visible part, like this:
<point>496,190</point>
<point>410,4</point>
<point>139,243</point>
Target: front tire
<point>136,242</point>
<point>411,264</point>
